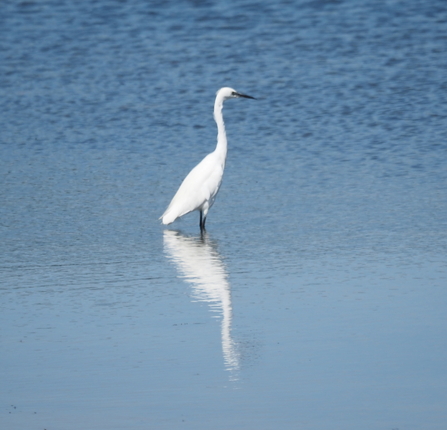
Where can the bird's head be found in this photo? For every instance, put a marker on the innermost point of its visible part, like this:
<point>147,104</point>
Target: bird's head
<point>229,93</point>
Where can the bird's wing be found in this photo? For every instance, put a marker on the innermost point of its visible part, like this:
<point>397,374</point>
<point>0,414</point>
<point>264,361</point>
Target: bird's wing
<point>201,185</point>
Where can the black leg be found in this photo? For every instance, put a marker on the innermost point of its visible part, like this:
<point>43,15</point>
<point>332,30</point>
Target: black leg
<point>202,222</point>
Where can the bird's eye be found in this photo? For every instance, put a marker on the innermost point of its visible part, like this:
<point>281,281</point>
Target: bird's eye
<point>233,93</point>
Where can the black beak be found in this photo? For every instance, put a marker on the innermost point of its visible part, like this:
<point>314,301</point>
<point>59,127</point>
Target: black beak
<point>244,95</point>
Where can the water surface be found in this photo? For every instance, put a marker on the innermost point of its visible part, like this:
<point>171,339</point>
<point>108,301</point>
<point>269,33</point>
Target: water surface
<point>317,297</point>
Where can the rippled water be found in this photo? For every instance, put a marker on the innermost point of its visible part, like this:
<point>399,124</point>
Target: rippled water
<point>317,298</point>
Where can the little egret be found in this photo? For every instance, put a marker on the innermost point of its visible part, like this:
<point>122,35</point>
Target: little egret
<point>199,189</point>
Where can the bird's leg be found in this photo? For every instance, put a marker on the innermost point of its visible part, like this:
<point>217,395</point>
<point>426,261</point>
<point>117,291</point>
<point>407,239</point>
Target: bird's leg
<point>202,222</point>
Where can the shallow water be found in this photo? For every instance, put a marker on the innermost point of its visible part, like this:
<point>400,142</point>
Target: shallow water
<point>317,298</point>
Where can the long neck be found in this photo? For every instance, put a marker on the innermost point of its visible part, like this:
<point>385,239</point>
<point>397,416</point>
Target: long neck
<point>221,147</point>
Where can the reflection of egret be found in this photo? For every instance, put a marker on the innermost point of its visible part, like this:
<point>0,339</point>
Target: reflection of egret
<point>200,264</point>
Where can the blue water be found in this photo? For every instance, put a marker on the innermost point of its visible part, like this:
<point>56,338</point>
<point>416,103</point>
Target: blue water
<point>316,300</point>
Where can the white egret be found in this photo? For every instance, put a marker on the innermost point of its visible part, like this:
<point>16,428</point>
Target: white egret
<point>199,189</point>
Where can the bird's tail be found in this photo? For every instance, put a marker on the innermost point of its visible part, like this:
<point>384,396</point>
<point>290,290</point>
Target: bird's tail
<point>167,218</point>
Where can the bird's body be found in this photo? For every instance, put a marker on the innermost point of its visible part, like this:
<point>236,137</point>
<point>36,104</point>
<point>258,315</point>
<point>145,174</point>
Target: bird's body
<point>199,189</point>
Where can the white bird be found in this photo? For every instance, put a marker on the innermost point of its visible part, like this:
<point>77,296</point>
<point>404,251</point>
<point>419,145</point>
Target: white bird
<point>199,189</point>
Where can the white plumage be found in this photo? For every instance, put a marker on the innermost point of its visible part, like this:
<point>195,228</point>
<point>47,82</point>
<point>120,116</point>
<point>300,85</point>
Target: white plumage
<point>199,189</point>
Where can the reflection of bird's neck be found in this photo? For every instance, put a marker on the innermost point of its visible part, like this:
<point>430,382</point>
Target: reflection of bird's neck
<point>221,148</point>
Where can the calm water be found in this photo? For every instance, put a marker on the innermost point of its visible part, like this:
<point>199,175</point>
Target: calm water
<point>317,300</point>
